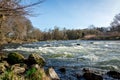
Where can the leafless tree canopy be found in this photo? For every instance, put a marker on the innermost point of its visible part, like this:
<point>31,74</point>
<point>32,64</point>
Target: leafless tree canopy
<point>14,8</point>
<point>12,17</point>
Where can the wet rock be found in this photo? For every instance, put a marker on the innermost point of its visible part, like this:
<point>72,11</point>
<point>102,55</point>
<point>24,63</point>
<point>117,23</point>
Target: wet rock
<point>15,57</point>
<point>78,44</point>
<point>62,69</point>
<point>36,59</point>
<point>86,70</point>
<point>91,42</point>
<point>53,75</point>
<point>114,74</point>
<point>78,75</point>
<point>92,76</point>
<point>2,68</point>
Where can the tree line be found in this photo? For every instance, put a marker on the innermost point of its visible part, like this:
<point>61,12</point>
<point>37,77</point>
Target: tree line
<point>21,29</point>
<point>92,32</point>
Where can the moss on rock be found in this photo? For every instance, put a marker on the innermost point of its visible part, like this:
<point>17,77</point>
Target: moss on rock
<point>36,59</point>
<point>15,57</point>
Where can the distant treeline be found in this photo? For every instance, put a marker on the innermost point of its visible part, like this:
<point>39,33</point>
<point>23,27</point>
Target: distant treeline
<point>21,29</point>
<point>87,34</point>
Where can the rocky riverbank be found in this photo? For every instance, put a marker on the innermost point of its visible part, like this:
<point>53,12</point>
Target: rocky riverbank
<point>14,66</point>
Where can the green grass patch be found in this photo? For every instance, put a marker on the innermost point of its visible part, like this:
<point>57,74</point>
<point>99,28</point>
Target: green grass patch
<point>34,74</point>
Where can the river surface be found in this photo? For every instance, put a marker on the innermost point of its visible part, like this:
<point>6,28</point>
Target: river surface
<point>75,55</point>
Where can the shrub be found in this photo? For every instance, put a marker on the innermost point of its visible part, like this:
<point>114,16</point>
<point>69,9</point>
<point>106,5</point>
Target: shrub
<point>34,74</point>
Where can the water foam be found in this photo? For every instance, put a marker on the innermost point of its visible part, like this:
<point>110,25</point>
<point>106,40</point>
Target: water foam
<point>91,57</point>
<point>97,52</point>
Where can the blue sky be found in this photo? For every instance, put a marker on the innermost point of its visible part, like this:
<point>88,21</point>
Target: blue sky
<point>75,14</point>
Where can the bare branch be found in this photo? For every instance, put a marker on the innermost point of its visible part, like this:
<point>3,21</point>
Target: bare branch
<point>12,7</point>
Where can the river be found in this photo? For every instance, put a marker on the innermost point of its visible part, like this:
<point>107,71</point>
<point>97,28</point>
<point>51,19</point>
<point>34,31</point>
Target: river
<point>75,55</point>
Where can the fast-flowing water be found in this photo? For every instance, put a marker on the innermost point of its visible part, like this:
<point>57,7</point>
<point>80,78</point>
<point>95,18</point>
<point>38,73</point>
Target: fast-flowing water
<point>75,54</point>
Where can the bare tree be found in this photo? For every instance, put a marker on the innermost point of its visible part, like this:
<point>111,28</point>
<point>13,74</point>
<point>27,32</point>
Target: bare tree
<point>13,8</point>
<point>115,25</point>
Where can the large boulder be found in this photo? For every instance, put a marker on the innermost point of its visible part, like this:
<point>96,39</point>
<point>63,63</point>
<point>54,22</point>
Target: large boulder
<point>114,74</point>
<point>36,59</point>
<point>15,57</point>
<point>92,76</point>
